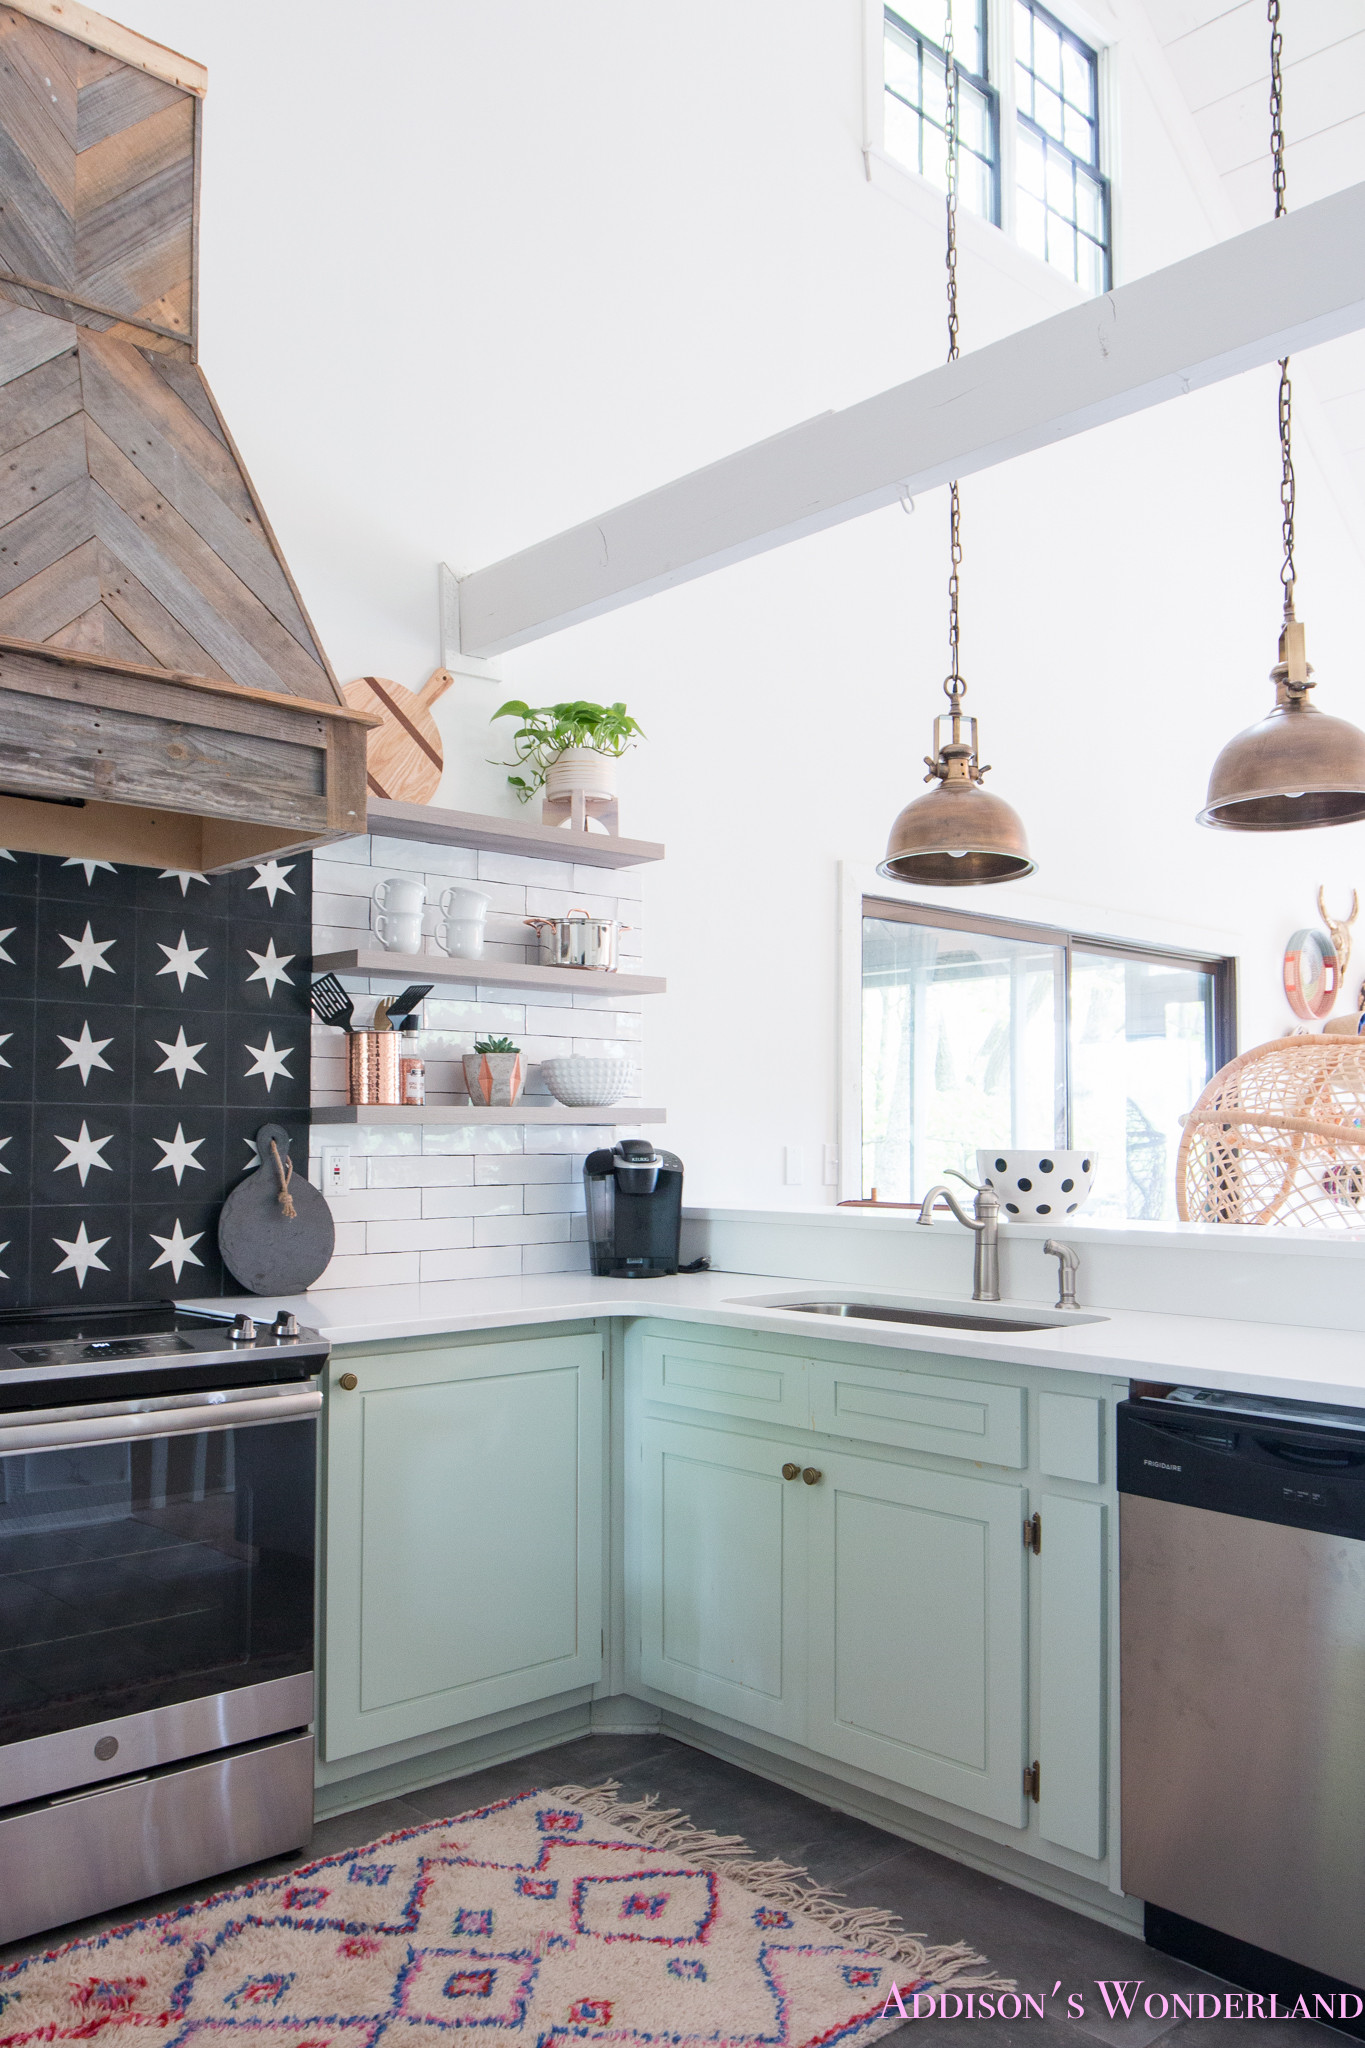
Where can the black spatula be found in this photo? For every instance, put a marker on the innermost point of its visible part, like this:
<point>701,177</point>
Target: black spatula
<point>331,1002</point>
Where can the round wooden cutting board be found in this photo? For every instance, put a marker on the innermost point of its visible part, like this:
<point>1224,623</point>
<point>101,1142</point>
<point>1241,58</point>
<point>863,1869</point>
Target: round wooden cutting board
<point>405,760</point>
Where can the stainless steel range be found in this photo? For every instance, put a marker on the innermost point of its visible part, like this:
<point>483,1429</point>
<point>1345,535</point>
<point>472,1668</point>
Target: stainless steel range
<point>157,1480</point>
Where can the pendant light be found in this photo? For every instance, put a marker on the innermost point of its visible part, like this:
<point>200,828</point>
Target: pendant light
<point>957,834</point>
<point>1299,767</point>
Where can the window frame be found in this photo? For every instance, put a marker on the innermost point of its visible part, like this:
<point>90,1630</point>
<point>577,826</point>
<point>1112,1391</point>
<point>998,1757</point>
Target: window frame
<point>996,242</point>
<point>989,93</point>
<point>865,895</point>
<point>1094,170</point>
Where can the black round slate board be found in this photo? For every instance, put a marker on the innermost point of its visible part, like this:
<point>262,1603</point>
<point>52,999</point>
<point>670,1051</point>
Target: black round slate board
<point>267,1251</point>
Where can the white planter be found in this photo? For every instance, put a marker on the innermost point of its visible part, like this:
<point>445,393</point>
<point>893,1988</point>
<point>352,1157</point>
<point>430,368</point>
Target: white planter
<point>582,769</point>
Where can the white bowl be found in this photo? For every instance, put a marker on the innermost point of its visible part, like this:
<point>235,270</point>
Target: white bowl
<point>1038,1187</point>
<point>584,1083</point>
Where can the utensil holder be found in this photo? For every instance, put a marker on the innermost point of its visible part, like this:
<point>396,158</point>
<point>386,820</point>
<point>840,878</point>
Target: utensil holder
<point>372,1066</point>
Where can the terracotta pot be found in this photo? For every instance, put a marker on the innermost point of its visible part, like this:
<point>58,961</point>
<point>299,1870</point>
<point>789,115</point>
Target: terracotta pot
<point>494,1078</point>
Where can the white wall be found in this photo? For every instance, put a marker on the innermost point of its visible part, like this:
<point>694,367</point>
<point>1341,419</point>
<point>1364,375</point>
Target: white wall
<point>471,273</point>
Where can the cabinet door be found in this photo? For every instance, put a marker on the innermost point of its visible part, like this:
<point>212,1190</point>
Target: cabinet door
<point>917,1653</point>
<point>1071,1674</point>
<point>464,1534</point>
<point>720,1542</point>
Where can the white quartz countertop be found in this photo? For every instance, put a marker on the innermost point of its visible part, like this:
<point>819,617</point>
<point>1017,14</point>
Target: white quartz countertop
<point>1241,1357</point>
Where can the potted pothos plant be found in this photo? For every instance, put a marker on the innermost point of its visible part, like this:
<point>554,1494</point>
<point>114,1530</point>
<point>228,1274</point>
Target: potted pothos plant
<point>493,1072</point>
<point>561,748</point>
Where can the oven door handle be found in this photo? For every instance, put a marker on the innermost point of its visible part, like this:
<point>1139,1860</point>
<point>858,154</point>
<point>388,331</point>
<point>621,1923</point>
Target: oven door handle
<point>176,1418</point>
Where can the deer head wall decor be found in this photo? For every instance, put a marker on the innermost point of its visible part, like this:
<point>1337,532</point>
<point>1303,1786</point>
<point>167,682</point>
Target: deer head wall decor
<point>1340,929</point>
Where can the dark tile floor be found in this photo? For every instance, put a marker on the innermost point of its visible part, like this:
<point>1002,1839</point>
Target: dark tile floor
<point>1026,1938</point>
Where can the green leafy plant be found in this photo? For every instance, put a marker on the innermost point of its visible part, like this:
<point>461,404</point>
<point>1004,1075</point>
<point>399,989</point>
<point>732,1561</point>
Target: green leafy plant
<point>550,730</point>
<point>495,1045</point>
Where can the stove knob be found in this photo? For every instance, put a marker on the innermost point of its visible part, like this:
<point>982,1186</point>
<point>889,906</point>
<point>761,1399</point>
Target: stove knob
<point>243,1330</point>
<point>285,1325</point>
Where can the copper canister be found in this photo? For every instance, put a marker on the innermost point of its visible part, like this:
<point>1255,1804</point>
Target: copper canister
<point>372,1066</point>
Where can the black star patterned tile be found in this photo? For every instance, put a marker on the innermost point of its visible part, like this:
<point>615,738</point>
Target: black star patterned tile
<point>150,1023</point>
<point>16,1155</point>
<point>277,891</point>
<point>82,1153</point>
<point>179,1057</point>
<point>18,940</point>
<point>83,1052</point>
<point>17,1030</point>
<point>181,961</point>
<point>175,1249</point>
<point>178,1153</point>
<point>179,892</point>
<point>15,1228</point>
<point>268,969</point>
<point>80,1253</point>
<point>267,1060</point>
<point>86,950</point>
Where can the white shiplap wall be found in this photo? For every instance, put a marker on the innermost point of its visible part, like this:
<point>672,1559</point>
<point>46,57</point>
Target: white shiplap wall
<point>461,1202</point>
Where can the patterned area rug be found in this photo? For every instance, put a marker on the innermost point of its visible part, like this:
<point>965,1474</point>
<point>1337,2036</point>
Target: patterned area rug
<point>562,1915</point>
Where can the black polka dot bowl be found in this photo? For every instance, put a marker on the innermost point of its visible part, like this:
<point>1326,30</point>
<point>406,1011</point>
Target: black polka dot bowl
<point>1038,1187</point>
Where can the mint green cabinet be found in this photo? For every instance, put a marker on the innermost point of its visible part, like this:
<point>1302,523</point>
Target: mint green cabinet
<point>464,1533</point>
<point>917,1630</point>
<point>721,1543</point>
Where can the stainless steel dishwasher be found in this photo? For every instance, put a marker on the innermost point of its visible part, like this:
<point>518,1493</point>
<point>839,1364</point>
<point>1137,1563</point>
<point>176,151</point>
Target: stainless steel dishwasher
<point>1242,1545</point>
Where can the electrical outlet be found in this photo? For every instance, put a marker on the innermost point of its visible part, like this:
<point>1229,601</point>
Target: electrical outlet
<point>829,1170</point>
<point>336,1170</point>
<point>794,1166</point>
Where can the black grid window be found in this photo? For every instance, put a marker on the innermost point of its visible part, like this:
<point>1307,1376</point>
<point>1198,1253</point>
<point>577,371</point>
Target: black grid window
<point>916,100</point>
<point>1061,197</point>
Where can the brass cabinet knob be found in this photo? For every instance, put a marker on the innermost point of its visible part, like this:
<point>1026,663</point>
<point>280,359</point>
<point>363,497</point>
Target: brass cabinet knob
<point>812,1475</point>
<point>791,1471</point>
<point>349,1381</point>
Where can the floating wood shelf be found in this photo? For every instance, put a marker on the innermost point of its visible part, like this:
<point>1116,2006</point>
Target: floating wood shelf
<point>507,835</point>
<point>439,967</point>
<point>382,1114</point>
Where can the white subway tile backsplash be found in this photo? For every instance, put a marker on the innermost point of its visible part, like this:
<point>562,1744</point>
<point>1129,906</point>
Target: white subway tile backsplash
<point>519,867</point>
<point>475,1201</point>
<point>432,1234</point>
<point>488,1264</point>
<point>376,1204</point>
<point>524,1169</point>
<point>554,1258</point>
<point>556,1199</point>
<point>368,1269</point>
<point>506,1230</point>
<point>468,1201</point>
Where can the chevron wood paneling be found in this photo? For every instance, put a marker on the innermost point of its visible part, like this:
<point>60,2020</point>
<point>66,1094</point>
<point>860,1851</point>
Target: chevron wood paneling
<point>127,526</point>
<point>97,167</point>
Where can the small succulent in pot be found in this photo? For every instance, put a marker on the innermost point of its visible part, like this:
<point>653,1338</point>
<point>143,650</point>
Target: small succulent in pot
<point>493,1072</point>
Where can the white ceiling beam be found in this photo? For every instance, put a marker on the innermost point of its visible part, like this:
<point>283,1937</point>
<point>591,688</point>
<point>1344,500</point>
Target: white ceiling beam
<point>1281,287</point>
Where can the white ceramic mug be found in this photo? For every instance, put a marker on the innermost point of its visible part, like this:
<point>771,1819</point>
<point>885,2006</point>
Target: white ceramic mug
<point>465,906</point>
<point>399,931</point>
<point>405,895</point>
<point>462,937</point>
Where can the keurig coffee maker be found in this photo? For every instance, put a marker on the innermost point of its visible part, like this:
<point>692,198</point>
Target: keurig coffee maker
<point>634,1197</point>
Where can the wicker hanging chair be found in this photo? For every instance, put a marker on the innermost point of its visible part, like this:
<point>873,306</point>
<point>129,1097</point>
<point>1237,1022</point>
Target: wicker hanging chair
<point>1278,1136</point>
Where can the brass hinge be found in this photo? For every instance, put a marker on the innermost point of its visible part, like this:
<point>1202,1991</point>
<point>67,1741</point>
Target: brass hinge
<point>1033,1535</point>
<point>604,1642</point>
<point>1032,1779</point>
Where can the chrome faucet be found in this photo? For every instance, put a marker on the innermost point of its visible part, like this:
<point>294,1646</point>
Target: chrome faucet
<point>986,1224</point>
<point>1067,1262</point>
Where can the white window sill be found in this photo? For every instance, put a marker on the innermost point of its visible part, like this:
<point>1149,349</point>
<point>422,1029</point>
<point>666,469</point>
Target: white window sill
<point>980,238</point>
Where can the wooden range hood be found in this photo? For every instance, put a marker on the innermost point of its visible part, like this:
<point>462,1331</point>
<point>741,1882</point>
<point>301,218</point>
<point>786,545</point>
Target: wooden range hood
<point>163,697</point>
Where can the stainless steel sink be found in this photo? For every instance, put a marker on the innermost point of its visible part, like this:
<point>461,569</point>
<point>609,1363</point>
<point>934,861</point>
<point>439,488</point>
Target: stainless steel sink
<point>932,1317</point>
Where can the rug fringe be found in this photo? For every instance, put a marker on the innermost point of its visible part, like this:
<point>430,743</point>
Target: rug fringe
<point>954,1965</point>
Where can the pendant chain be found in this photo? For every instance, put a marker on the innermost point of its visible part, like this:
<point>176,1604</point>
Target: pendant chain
<point>1286,399</point>
<point>953,685</point>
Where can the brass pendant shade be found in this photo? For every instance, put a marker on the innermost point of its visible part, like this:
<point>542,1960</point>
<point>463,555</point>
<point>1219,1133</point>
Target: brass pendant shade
<point>959,834</point>
<point>1298,768</point>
